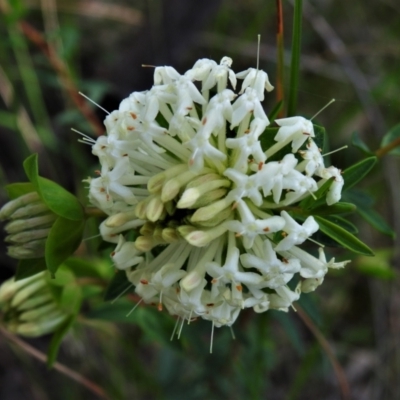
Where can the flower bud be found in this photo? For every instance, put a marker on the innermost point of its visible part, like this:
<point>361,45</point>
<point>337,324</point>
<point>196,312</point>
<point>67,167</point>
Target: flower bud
<point>29,307</point>
<point>29,226</point>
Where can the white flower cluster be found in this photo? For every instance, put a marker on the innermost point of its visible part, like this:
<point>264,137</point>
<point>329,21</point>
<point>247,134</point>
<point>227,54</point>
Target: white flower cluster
<point>182,165</point>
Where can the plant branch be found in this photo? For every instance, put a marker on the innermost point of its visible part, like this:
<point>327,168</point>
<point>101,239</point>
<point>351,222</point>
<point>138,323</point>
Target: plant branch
<point>65,77</point>
<point>93,387</point>
<point>389,147</point>
<point>340,375</point>
<point>280,56</point>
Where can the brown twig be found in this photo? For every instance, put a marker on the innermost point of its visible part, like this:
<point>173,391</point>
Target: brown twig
<point>340,375</point>
<point>280,55</point>
<point>389,147</point>
<point>93,387</point>
<point>62,70</point>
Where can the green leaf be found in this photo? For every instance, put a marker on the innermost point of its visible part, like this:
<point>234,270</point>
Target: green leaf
<point>57,339</point>
<point>8,120</point>
<point>344,223</point>
<point>304,370</point>
<point>377,267</point>
<point>275,111</point>
<point>64,238</point>
<point>343,237</point>
<point>335,209</point>
<point>267,138</point>
<point>29,267</point>
<point>290,329</point>
<point>15,190</point>
<point>356,141</point>
<point>295,61</point>
<point>96,268</point>
<point>115,312</point>
<point>392,135</point>
<point>376,220</point>
<point>59,200</point>
<point>312,201</point>
<point>118,286</point>
<point>154,324</point>
<point>358,197</point>
<point>320,136</point>
<point>356,172</point>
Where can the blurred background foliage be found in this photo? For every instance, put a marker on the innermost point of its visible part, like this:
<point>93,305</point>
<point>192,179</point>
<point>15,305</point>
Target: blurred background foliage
<point>51,49</point>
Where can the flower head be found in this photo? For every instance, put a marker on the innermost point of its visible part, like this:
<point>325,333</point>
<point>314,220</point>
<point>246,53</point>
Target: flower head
<point>29,225</point>
<point>184,165</point>
<point>29,306</point>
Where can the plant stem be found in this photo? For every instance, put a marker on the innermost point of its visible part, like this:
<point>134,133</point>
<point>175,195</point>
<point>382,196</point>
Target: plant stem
<point>389,147</point>
<point>295,62</point>
<point>93,387</point>
<point>340,375</point>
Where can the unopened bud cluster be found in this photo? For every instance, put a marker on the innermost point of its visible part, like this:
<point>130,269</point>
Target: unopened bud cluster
<point>28,307</point>
<point>183,166</point>
<point>30,221</point>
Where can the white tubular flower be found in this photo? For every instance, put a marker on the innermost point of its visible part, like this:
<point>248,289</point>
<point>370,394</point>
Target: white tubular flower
<point>247,103</point>
<point>273,175</point>
<point>125,254</point>
<point>165,75</point>
<point>294,129</point>
<point>249,144</point>
<point>256,79</point>
<point>275,272</point>
<point>284,298</point>
<point>202,149</point>
<point>196,200</point>
<point>201,69</point>
<point>296,233</point>
<point>219,75</point>
<point>335,190</point>
<point>218,111</point>
<point>245,186</point>
<point>250,227</point>
<point>313,160</point>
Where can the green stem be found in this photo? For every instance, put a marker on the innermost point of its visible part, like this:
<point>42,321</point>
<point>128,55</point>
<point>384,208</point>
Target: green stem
<point>94,212</point>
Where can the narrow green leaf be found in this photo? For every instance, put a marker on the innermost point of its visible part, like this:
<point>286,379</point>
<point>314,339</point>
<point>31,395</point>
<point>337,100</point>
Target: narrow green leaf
<point>59,200</point>
<point>118,286</point>
<point>8,120</point>
<point>320,136</point>
<point>376,220</point>
<point>378,267</point>
<point>29,267</point>
<point>312,201</point>
<point>290,329</point>
<point>115,312</point>
<point>343,223</point>
<point>356,172</point>
<point>56,340</point>
<point>295,61</point>
<point>64,238</point>
<point>358,197</point>
<point>18,189</point>
<point>94,268</point>
<point>275,111</point>
<point>335,209</point>
<point>356,141</point>
<point>304,370</point>
<point>392,135</point>
<point>267,138</point>
<point>343,237</point>
<point>154,324</point>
